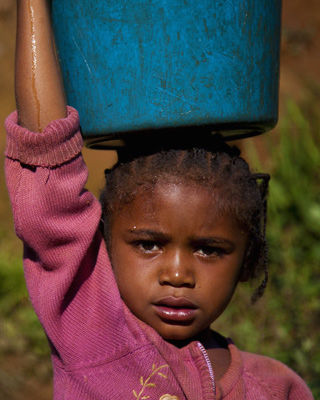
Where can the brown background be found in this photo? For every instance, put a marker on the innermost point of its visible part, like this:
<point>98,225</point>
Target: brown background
<point>300,80</point>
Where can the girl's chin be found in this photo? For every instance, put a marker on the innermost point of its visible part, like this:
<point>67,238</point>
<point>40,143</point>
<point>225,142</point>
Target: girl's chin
<point>181,338</point>
<point>177,337</point>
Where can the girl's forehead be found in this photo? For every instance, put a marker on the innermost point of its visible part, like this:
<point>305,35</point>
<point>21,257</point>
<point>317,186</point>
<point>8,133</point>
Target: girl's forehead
<point>179,211</point>
<point>183,197</point>
<point>176,191</point>
<point>174,185</point>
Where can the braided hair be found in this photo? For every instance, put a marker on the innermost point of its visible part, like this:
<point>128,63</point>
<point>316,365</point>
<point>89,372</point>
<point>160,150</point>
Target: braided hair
<point>212,164</point>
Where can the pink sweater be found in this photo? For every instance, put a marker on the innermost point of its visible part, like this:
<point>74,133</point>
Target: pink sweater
<point>99,349</point>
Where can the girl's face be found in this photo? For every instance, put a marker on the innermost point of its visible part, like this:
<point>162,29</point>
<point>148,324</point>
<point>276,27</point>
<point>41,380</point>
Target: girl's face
<point>177,261</point>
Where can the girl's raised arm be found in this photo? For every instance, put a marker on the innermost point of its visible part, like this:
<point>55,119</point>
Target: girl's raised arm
<point>39,89</point>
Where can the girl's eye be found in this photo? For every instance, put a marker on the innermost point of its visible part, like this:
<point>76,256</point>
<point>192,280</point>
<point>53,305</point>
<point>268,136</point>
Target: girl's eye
<point>210,251</point>
<point>148,246</point>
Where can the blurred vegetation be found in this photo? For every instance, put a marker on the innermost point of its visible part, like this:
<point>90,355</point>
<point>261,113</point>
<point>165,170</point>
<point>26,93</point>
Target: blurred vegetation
<point>284,324</point>
<point>20,330</point>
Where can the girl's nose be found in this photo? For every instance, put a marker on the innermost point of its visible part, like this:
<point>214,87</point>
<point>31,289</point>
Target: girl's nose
<point>177,271</point>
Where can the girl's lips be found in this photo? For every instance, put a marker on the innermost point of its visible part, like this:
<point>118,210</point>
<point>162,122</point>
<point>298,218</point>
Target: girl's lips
<point>177,309</point>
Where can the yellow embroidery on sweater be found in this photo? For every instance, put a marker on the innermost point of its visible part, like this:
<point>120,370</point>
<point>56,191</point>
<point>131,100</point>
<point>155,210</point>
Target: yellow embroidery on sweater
<point>145,383</point>
<point>168,397</point>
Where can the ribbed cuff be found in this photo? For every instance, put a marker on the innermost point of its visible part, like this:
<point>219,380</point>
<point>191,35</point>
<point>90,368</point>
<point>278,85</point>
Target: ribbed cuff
<point>60,142</point>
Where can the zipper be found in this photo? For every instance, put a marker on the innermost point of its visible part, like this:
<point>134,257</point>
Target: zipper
<point>206,357</point>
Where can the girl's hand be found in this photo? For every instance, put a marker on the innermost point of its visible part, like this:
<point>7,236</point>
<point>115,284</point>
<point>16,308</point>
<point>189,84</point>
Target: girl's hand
<point>39,89</point>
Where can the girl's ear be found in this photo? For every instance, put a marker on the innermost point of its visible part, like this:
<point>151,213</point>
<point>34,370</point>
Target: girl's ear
<point>246,271</point>
<point>245,274</point>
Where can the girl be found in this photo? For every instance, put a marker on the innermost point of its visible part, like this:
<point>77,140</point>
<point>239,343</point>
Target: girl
<point>180,226</point>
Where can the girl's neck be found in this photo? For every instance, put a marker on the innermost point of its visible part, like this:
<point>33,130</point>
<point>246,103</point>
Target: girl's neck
<point>216,348</point>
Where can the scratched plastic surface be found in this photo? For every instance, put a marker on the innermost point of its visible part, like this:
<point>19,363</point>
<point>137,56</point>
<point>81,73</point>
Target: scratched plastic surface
<point>138,65</point>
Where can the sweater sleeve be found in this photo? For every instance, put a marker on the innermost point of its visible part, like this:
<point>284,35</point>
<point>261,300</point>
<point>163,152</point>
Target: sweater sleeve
<point>265,375</point>
<point>66,265</point>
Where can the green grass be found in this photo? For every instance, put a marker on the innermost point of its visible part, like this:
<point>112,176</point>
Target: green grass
<point>21,335</point>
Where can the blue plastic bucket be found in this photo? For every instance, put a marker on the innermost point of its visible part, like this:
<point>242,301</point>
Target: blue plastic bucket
<point>140,65</point>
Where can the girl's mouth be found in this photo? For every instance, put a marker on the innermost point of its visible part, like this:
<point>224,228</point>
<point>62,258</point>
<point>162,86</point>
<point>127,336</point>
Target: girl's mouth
<point>175,309</point>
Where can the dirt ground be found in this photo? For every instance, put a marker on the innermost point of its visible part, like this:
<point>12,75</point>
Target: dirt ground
<point>300,79</point>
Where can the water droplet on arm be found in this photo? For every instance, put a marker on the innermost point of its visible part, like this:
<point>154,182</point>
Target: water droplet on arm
<point>34,63</point>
